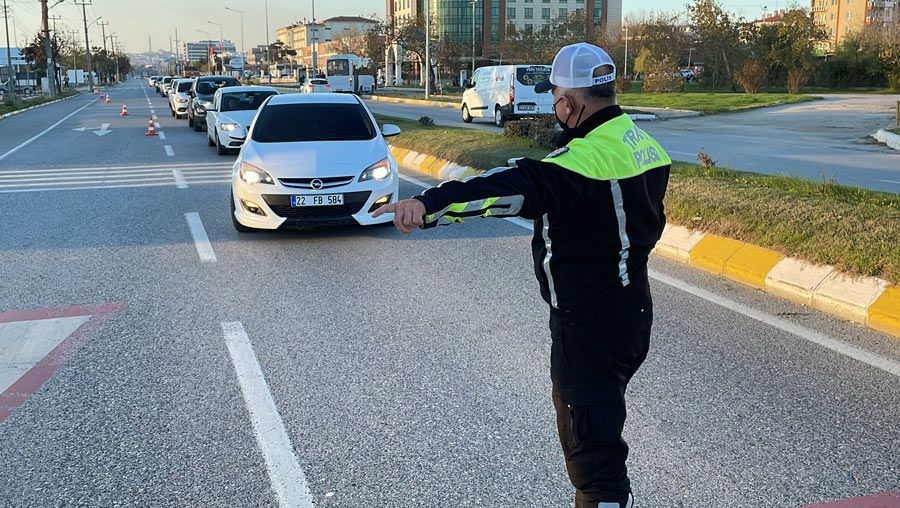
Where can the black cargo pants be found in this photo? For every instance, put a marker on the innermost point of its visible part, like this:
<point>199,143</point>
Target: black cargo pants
<point>591,361</point>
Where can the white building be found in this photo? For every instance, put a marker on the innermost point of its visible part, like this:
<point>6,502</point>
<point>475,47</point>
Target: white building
<point>199,51</point>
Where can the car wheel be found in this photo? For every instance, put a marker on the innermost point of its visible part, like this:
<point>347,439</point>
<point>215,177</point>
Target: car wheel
<point>499,119</point>
<point>173,112</point>
<point>221,150</point>
<point>197,126</point>
<point>240,228</point>
<point>209,140</point>
<point>467,118</point>
<point>190,122</point>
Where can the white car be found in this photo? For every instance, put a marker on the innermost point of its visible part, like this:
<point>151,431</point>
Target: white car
<point>180,97</point>
<point>506,92</point>
<point>233,107</point>
<point>313,160</point>
<point>317,85</point>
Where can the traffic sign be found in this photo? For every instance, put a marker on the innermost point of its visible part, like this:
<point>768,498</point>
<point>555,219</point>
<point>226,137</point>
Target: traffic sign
<point>236,62</point>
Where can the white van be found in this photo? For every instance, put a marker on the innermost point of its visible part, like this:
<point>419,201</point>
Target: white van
<point>506,92</point>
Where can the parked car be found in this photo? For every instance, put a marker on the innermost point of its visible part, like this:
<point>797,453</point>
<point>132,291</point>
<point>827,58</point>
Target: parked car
<point>506,92</point>
<point>202,92</point>
<point>233,107</point>
<point>180,97</point>
<point>317,85</point>
<point>161,85</point>
<point>332,168</point>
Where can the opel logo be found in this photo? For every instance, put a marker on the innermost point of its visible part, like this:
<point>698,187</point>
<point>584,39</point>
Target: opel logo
<point>316,184</point>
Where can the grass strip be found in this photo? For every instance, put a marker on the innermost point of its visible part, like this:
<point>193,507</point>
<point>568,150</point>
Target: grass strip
<point>856,230</point>
<point>21,104</point>
<point>709,102</point>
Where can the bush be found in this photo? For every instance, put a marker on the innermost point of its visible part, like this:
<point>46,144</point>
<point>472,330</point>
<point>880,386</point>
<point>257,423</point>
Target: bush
<point>751,76</point>
<point>623,84</point>
<point>426,121</point>
<point>796,79</point>
<point>516,129</point>
<point>893,80</point>
<point>663,77</point>
<point>542,131</point>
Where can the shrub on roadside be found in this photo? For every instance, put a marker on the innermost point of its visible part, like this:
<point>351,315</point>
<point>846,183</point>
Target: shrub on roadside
<point>516,129</point>
<point>751,76</point>
<point>663,77</point>
<point>622,84</point>
<point>542,131</point>
<point>796,79</point>
<point>426,121</point>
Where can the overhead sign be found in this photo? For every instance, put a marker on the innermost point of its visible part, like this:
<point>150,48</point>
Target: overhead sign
<point>236,62</point>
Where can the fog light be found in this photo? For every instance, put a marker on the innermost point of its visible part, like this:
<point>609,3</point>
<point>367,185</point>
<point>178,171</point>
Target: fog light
<point>383,200</point>
<point>252,207</point>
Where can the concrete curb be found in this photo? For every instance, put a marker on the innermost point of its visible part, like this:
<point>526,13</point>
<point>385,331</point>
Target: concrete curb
<point>18,111</point>
<point>418,102</point>
<point>867,300</point>
<point>888,138</point>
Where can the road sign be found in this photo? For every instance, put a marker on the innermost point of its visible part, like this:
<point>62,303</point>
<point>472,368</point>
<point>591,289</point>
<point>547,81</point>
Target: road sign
<point>236,62</point>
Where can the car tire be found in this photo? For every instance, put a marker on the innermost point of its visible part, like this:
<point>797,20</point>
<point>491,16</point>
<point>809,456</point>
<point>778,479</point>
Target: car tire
<point>209,140</point>
<point>221,150</point>
<point>499,118</point>
<point>197,126</point>
<point>240,228</point>
<point>466,117</point>
<point>190,122</point>
<point>173,112</point>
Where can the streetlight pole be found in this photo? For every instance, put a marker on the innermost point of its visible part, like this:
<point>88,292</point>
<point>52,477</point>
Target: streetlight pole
<point>87,42</point>
<point>48,48</point>
<point>427,67</point>
<point>243,48</point>
<point>626,52</point>
<point>9,64</point>
<point>208,50</point>
<point>221,47</point>
<point>473,37</point>
<point>315,53</point>
<point>268,45</point>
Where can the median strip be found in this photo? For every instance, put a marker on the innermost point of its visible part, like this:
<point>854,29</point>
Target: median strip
<point>818,244</point>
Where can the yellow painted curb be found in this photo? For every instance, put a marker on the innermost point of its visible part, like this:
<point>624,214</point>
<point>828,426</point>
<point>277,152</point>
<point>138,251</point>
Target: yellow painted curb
<point>713,251</point>
<point>750,265</point>
<point>884,314</point>
<point>400,153</point>
<point>425,165</point>
<point>435,167</point>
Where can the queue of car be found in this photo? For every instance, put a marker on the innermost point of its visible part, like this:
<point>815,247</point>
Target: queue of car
<point>303,159</point>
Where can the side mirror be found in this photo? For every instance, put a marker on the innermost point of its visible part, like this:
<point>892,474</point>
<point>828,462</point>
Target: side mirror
<point>469,85</point>
<point>239,134</point>
<point>389,129</point>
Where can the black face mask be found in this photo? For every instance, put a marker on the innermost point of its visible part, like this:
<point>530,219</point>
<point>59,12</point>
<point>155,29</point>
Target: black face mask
<point>564,123</point>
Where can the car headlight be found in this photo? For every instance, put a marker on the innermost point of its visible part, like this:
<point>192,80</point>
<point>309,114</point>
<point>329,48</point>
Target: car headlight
<point>378,171</point>
<point>251,174</point>
<point>228,127</point>
<point>181,100</point>
<point>203,105</point>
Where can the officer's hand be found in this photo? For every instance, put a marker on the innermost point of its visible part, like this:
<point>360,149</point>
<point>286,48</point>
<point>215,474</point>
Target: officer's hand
<point>407,214</point>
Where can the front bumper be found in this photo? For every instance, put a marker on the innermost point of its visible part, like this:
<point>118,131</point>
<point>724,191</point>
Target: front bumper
<point>275,202</point>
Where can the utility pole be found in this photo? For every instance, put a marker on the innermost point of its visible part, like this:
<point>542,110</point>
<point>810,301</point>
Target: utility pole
<point>87,43</point>
<point>115,39</point>
<point>9,65</point>
<point>427,66</point>
<point>315,53</point>
<point>48,48</point>
<point>177,52</point>
<point>103,25</point>
<point>74,35</point>
<point>243,48</point>
<point>473,38</point>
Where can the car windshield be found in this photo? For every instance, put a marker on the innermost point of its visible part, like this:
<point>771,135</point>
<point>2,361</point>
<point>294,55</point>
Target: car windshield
<point>184,86</point>
<point>533,75</point>
<point>318,82</point>
<point>242,101</point>
<point>287,123</point>
<point>167,80</point>
<point>209,86</point>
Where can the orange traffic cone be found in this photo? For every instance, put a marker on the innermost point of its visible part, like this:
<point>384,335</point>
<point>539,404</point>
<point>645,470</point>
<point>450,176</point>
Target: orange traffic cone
<point>151,130</point>
<point>124,110</point>
<point>107,98</point>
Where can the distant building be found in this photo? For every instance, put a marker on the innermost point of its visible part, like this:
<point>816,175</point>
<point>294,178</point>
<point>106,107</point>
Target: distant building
<point>199,51</point>
<point>257,54</point>
<point>840,18</point>
<point>301,34</point>
<point>17,57</point>
<point>770,19</point>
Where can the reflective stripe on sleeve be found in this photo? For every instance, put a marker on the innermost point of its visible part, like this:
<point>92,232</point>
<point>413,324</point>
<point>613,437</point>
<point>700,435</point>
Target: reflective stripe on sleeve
<point>547,244</point>
<point>619,205</point>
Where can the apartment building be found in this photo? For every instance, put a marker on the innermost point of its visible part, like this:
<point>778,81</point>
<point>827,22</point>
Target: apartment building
<point>840,18</point>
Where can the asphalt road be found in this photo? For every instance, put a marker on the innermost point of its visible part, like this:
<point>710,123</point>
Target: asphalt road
<point>825,139</point>
<point>404,371</point>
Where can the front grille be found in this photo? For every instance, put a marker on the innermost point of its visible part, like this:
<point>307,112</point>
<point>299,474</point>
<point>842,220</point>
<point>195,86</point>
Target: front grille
<point>317,215</point>
<point>306,183</point>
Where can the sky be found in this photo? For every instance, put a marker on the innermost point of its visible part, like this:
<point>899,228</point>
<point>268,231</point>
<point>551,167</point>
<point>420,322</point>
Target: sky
<point>134,20</point>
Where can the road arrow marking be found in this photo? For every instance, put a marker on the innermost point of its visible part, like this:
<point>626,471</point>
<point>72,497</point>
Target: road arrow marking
<point>102,131</point>
<point>80,129</point>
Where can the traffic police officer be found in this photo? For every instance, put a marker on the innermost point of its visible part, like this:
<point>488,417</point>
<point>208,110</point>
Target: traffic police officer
<point>597,206</point>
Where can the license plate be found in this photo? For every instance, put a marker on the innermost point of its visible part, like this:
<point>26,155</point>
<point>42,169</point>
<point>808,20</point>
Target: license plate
<point>526,107</point>
<point>317,200</point>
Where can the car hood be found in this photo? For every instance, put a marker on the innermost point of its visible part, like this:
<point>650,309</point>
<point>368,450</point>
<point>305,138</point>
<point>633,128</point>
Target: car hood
<point>315,159</point>
<point>242,118</point>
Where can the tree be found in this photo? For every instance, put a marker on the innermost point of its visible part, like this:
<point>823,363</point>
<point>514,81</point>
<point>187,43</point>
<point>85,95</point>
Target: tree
<point>281,52</point>
<point>719,40</point>
<point>788,47</point>
<point>411,37</point>
<point>375,45</point>
<point>751,76</point>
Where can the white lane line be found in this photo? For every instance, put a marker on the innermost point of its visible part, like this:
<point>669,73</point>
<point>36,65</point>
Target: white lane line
<point>285,474</point>
<point>682,153</point>
<point>45,131</point>
<point>162,135</point>
<point>201,241</point>
<point>169,151</point>
<point>156,125</point>
<point>872,359</point>
<point>179,179</point>
<point>891,181</point>
<point>154,115</point>
<point>107,168</point>
<point>164,182</point>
